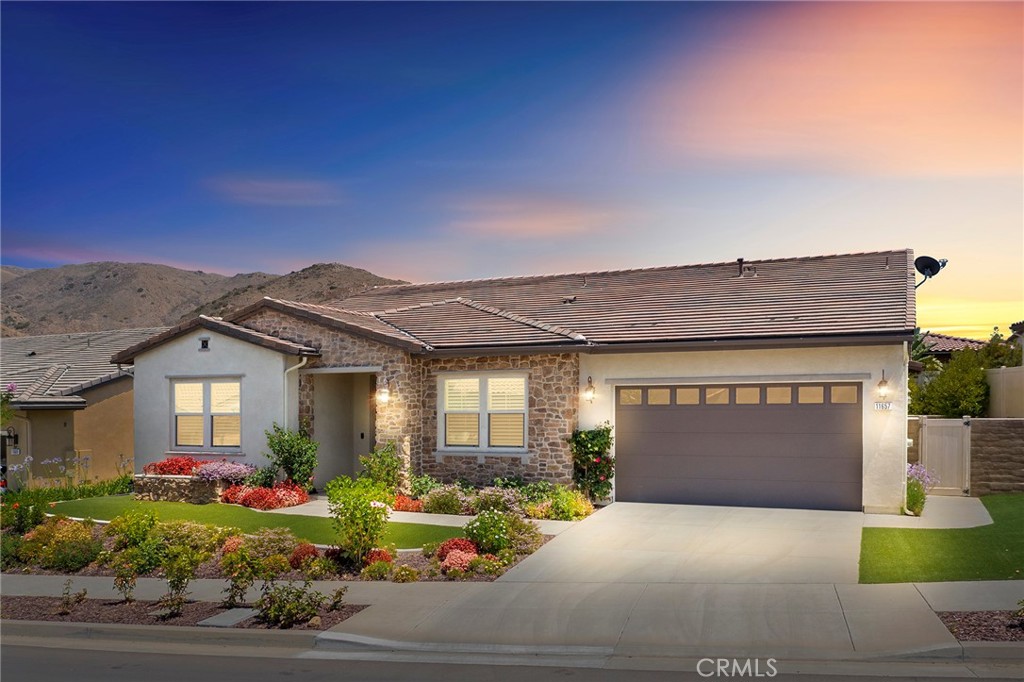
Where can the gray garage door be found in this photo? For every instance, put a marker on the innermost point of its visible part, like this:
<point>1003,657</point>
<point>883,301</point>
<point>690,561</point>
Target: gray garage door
<point>768,445</point>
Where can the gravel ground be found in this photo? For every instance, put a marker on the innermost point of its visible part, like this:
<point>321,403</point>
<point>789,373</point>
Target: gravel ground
<point>141,612</point>
<point>984,626</point>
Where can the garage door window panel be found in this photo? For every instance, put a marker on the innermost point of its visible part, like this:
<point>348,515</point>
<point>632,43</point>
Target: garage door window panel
<point>716,395</point>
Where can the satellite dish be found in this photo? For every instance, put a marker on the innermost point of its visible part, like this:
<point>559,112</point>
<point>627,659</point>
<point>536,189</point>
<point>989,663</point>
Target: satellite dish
<point>928,266</point>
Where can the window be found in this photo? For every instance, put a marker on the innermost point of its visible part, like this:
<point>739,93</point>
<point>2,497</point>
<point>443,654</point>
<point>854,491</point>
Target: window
<point>716,395</point>
<point>748,395</point>
<point>687,396</point>
<point>207,413</point>
<point>811,395</point>
<point>779,395</point>
<point>483,411</point>
<point>630,396</point>
<point>843,395</point>
<point>659,396</point>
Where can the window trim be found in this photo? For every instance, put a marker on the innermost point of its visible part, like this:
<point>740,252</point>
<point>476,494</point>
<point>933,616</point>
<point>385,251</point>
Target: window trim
<point>483,424</point>
<point>207,415</point>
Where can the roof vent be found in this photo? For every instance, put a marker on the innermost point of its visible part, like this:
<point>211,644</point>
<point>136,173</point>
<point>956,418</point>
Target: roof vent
<point>567,300</point>
<point>30,354</point>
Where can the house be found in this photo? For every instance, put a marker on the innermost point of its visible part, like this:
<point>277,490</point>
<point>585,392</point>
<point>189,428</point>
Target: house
<point>942,347</point>
<point>72,409</point>
<point>777,383</point>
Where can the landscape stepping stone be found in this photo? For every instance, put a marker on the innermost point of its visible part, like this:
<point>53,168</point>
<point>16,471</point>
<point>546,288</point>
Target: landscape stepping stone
<point>228,619</point>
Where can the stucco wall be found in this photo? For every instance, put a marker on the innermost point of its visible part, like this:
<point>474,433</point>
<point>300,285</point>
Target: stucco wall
<point>914,442</point>
<point>885,432</point>
<point>42,435</point>
<point>1006,397</point>
<point>105,431</point>
<point>997,456</point>
<point>261,372</point>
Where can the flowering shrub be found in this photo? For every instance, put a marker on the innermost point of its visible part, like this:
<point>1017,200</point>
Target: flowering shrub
<point>569,505</point>
<point>592,467</point>
<point>453,544</point>
<point>378,554</point>
<point>383,465</point>
<point>236,472</point>
<point>283,494</point>
<point>232,544</point>
<point>919,482</point>
<point>60,544</point>
<point>294,452</point>
<point>448,499</point>
<point>405,574</point>
<point>301,554</point>
<point>360,510</point>
<point>377,570</point>
<point>490,530</point>
<point>182,465</point>
<point>407,504</point>
<point>457,560</point>
<point>498,499</point>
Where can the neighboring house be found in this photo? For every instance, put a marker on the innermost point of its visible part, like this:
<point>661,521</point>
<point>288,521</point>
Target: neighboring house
<point>1016,333</point>
<point>942,347</point>
<point>72,409</point>
<point>752,383</point>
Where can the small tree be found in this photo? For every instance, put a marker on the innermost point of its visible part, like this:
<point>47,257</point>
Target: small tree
<point>920,351</point>
<point>383,465</point>
<point>593,468</point>
<point>360,509</point>
<point>960,389</point>
<point>294,452</point>
<point>998,353</point>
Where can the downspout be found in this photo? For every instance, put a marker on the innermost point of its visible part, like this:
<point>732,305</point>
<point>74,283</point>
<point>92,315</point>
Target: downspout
<point>288,371</point>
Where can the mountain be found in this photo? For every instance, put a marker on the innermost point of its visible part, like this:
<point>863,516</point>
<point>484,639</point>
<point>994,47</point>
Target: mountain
<point>9,272</point>
<point>109,295</point>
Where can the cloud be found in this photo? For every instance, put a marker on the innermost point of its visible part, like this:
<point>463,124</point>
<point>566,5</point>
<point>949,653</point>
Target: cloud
<point>275,191</point>
<point>529,217</point>
<point>886,88</point>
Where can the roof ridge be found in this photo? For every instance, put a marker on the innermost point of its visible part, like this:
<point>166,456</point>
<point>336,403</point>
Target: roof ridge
<point>49,378</point>
<point>8,339</point>
<point>522,319</point>
<point>307,306</point>
<point>653,268</point>
<point>956,338</point>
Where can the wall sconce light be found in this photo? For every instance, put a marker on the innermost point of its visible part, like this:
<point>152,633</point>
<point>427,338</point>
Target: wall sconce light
<point>883,387</point>
<point>589,392</point>
<point>384,393</point>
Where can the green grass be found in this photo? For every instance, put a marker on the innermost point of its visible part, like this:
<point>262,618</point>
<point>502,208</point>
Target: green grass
<point>993,552</point>
<point>312,528</point>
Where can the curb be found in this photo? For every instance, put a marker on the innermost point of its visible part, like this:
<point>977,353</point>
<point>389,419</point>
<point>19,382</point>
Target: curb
<point>339,640</point>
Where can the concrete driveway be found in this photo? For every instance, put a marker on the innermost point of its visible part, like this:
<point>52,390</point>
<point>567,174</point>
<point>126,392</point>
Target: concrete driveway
<point>656,543</point>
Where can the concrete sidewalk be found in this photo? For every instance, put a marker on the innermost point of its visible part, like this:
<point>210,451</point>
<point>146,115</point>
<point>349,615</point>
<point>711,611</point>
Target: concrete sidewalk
<point>794,622</point>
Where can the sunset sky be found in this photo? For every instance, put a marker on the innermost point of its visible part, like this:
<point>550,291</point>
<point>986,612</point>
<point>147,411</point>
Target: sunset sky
<point>444,141</point>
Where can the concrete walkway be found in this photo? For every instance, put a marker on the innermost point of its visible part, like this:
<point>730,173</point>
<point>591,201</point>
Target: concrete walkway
<point>796,622</point>
<point>317,506</point>
<point>940,511</point>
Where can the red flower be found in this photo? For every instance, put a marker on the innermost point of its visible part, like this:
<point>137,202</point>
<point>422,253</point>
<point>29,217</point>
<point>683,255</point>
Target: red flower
<point>597,459</point>
<point>15,505</point>
<point>600,478</point>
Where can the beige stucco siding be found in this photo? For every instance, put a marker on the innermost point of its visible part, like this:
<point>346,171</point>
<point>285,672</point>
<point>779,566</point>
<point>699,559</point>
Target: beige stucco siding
<point>105,431</point>
<point>260,370</point>
<point>884,432</point>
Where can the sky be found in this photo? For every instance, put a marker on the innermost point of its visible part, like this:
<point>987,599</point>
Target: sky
<point>433,141</point>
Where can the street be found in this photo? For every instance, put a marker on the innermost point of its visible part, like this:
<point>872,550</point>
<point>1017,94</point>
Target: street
<point>48,664</point>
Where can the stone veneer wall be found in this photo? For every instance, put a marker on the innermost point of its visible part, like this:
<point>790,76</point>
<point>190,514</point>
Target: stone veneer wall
<point>997,456</point>
<point>189,489</point>
<point>410,417</point>
<point>397,421</point>
<point>553,387</point>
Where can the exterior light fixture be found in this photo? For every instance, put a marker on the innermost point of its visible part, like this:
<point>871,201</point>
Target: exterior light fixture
<point>589,391</point>
<point>883,387</point>
<point>384,393</point>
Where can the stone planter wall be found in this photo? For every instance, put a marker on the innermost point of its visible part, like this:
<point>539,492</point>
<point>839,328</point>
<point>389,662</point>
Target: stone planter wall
<point>997,456</point>
<point>191,489</point>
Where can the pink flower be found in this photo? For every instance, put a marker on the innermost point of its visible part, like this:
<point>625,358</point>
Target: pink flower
<point>600,478</point>
<point>597,459</point>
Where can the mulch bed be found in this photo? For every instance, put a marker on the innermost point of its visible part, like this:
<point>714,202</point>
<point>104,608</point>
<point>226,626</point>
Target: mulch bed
<point>984,626</point>
<point>141,613</point>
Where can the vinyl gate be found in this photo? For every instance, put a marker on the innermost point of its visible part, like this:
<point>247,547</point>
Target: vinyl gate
<point>946,451</point>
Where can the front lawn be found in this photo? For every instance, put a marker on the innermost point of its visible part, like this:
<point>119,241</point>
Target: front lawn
<point>993,552</point>
<point>312,528</point>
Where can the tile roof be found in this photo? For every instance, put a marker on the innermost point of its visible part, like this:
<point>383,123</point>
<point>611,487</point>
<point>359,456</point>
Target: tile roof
<point>864,293</point>
<point>941,343</point>
<point>127,355</point>
<point>50,370</point>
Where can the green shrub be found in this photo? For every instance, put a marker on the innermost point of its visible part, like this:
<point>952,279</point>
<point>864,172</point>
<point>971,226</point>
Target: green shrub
<point>429,549</point>
<point>180,565</point>
<point>242,569</point>
<point>10,550</point>
<point>421,486</point>
<point>915,497</point>
<point>538,491</point>
<point>68,600</point>
<point>360,511</point>
<point>318,568</point>
<point>130,563</point>
<point>486,564</point>
<point>959,389</point>
<point>569,505</point>
<point>60,544</point>
<point>267,542</point>
<point>593,468</point>
<point>61,493</point>
<point>378,570</point>
<point>203,538</point>
<point>383,466</point>
<point>405,574</point>
<point>448,499</point>
<point>264,477</point>
<point>131,528</point>
<point>294,452</point>
<point>21,517</point>
<point>285,604</point>
<point>538,510</point>
<point>490,531</point>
